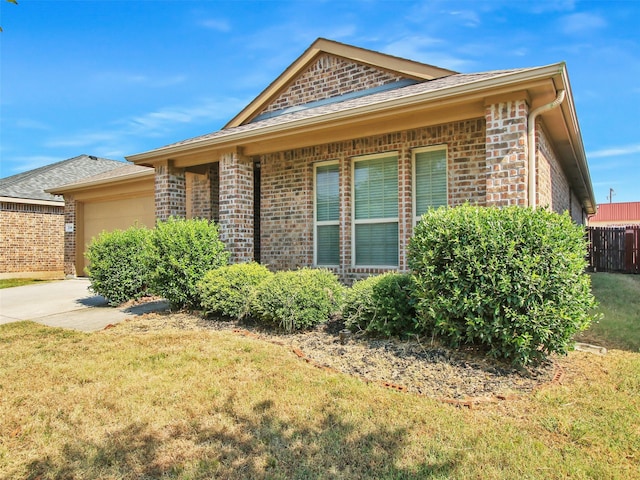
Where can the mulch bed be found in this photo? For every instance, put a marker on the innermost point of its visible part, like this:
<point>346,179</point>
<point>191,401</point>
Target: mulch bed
<point>459,376</point>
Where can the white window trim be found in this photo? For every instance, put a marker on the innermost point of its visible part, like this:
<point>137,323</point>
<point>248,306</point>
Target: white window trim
<point>316,224</point>
<point>414,152</point>
<point>355,222</point>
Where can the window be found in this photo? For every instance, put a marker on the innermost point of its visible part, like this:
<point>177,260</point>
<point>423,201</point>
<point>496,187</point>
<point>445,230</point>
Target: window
<point>429,179</point>
<point>327,218</point>
<point>375,210</point>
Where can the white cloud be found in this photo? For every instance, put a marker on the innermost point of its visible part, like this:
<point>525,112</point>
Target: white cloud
<point>31,124</point>
<point>581,23</point>
<point>26,163</point>
<point>216,24</point>
<point>124,136</point>
<point>615,151</point>
<point>129,78</point>
<point>468,18</point>
<point>425,49</point>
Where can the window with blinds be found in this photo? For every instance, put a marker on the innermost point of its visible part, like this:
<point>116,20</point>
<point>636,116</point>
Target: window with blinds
<point>375,210</point>
<point>327,215</point>
<point>429,179</point>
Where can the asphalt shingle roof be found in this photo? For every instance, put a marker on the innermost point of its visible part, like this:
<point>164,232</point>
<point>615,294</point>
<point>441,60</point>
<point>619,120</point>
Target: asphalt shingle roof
<point>353,103</point>
<point>110,175</point>
<point>33,183</point>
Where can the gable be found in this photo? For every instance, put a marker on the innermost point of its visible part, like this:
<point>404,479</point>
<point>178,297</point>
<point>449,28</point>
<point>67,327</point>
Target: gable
<point>330,76</point>
<point>326,57</point>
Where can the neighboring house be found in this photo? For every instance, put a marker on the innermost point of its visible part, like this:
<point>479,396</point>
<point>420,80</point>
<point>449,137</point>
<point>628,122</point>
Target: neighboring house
<point>620,214</point>
<point>116,199</point>
<point>334,162</point>
<point>32,220</point>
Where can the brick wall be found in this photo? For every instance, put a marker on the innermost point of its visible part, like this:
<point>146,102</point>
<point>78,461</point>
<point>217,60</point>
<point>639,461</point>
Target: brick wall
<point>236,206</point>
<point>170,191</point>
<point>287,189</point>
<point>552,188</point>
<point>32,239</point>
<point>330,76</point>
<point>202,193</point>
<point>507,153</point>
<point>70,217</point>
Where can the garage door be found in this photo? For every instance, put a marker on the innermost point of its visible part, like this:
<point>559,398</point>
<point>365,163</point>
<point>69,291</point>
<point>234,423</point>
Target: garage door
<point>115,214</point>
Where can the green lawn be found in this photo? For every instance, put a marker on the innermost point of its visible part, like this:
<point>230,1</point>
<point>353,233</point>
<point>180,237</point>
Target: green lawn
<point>619,298</point>
<point>199,405</point>
<point>18,282</point>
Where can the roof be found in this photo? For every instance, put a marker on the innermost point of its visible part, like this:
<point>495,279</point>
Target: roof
<point>438,95</point>
<point>33,184</point>
<point>621,213</point>
<point>119,174</point>
<point>403,66</point>
<point>317,112</point>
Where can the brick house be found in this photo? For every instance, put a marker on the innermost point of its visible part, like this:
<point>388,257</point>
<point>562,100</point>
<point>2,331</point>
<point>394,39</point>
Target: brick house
<point>334,162</point>
<point>32,220</point>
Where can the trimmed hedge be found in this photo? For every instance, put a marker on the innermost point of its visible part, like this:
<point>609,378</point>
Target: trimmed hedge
<point>381,305</point>
<point>227,290</point>
<point>296,300</point>
<point>182,252</point>
<point>119,264</point>
<point>512,279</point>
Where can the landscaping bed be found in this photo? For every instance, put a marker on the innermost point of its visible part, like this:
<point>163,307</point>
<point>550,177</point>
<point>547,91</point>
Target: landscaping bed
<point>418,366</point>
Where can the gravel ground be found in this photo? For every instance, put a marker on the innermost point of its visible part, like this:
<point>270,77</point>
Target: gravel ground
<point>417,366</point>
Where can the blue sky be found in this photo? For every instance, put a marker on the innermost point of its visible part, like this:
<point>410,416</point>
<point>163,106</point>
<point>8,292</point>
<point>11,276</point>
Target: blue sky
<point>113,78</point>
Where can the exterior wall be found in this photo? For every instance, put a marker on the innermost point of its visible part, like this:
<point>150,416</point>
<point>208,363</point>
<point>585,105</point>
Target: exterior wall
<point>287,219</point>
<point>70,217</point>
<point>507,153</point>
<point>330,76</point>
<point>553,190</point>
<point>170,191</point>
<point>32,240</point>
<point>236,206</point>
<point>202,193</point>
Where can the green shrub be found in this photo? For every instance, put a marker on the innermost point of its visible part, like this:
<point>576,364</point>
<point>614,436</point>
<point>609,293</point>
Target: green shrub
<point>381,305</point>
<point>227,290</point>
<point>512,279</point>
<point>182,252</point>
<point>119,264</point>
<point>296,300</point>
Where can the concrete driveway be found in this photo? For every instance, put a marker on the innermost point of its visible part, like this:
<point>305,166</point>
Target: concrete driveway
<point>65,303</point>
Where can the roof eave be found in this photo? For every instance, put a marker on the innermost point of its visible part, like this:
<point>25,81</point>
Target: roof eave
<point>130,177</point>
<point>479,87</point>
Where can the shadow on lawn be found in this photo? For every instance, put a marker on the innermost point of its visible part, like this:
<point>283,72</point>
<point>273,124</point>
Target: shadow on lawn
<point>258,445</point>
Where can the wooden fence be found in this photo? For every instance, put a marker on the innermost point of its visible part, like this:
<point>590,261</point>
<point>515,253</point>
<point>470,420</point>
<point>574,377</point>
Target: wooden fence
<point>614,249</point>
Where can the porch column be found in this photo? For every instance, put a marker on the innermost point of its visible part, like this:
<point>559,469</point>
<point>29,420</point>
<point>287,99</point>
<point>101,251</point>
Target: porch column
<point>236,205</point>
<point>170,191</point>
<point>70,218</point>
<point>506,149</point>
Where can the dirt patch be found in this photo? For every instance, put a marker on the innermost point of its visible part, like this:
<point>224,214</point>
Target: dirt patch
<point>419,366</point>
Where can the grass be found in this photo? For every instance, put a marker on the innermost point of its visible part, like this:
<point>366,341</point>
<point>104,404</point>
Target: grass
<point>18,282</point>
<point>195,405</point>
<point>619,305</point>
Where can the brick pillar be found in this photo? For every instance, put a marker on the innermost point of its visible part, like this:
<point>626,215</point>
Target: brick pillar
<point>214,177</point>
<point>170,191</point>
<point>236,205</point>
<point>70,208</point>
<point>507,153</point>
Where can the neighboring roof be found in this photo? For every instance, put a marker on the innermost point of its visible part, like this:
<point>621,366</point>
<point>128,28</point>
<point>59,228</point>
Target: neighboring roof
<point>33,184</point>
<point>408,68</point>
<point>621,213</point>
<point>350,104</point>
<point>123,173</point>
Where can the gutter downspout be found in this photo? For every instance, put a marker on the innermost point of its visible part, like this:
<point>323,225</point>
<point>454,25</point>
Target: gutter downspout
<point>531,144</point>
